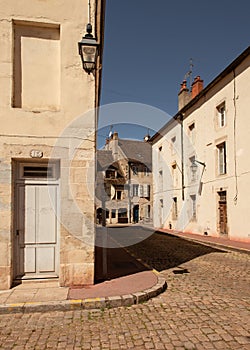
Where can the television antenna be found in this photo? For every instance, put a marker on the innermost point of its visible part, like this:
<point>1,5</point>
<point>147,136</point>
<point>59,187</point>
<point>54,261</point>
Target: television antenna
<point>189,74</point>
<point>110,131</point>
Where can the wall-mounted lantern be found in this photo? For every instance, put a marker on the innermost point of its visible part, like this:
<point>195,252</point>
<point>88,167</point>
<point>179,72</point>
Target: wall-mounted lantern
<point>88,50</point>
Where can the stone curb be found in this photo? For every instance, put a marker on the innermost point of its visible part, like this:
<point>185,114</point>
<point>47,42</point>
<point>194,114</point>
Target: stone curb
<point>88,304</point>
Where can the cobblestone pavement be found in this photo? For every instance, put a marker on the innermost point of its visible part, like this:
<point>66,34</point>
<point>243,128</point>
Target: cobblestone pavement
<point>206,306</point>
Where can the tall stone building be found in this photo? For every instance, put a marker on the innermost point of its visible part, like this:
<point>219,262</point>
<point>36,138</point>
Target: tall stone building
<point>47,141</point>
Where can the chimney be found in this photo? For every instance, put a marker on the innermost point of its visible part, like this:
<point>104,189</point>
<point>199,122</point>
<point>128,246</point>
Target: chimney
<point>114,145</point>
<point>197,86</point>
<point>183,95</point>
<point>115,135</point>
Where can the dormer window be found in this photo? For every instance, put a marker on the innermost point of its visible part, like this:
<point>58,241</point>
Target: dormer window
<point>135,170</point>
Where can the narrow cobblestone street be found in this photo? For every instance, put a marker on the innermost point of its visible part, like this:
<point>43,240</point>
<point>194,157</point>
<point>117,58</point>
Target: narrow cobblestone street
<point>206,306</point>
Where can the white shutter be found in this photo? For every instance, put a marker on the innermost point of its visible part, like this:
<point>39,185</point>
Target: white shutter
<point>131,193</point>
<point>146,190</point>
<point>141,190</point>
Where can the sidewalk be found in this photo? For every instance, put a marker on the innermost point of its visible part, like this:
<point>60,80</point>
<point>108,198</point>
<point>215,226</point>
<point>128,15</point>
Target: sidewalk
<point>128,282</point>
<point>218,242</point>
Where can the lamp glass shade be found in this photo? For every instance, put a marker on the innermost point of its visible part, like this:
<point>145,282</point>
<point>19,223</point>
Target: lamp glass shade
<point>194,167</point>
<point>88,50</point>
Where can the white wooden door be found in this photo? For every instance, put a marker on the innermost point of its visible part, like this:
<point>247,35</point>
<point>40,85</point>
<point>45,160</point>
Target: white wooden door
<point>36,231</point>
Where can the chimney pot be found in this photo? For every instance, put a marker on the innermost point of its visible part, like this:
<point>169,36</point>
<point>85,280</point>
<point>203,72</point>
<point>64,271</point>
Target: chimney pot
<point>197,86</point>
<point>115,135</point>
<point>183,85</point>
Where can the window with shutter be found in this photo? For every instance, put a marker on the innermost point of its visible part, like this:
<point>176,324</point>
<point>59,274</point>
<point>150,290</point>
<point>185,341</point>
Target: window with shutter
<point>141,191</point>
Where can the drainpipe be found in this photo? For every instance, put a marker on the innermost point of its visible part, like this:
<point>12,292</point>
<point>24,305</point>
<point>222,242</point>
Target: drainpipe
<point>180,121</point>
<point>129,190</point>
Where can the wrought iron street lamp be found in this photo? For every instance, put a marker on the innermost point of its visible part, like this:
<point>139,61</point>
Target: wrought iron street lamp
<point>88,50</point>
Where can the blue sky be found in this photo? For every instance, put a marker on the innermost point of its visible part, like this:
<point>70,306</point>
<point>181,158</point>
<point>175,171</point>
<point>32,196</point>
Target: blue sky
<point>148,45</point>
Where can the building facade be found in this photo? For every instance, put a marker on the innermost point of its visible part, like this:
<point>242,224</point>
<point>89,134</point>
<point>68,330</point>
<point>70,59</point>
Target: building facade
<point>46,199</point>
<point>125,171</point>
<point>201,167</point>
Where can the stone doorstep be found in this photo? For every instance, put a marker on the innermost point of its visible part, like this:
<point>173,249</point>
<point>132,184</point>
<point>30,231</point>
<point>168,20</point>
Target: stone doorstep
<point>88,304</point>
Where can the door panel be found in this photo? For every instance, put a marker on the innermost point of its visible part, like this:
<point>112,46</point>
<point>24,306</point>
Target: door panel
<point>30,259</point>
<point>46,219</point>
<point>48,264</point>
<point>29,212</point>
<point>223,230</point>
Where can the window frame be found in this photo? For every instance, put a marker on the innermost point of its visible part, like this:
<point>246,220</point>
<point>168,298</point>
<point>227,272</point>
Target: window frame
<point>191,131</point>
<point>221,158</point>
<point>175,209</point>
<point>221,117</point>
<point>173,145</point>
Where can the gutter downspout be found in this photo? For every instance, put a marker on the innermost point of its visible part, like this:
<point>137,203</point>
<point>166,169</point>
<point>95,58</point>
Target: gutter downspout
<point>180,119</point>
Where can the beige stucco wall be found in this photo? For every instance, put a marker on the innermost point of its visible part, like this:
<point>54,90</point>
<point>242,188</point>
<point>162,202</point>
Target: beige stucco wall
<point>40,119</point>
<point>203,146</point>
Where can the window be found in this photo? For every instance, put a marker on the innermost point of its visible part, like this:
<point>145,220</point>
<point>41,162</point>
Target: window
<point>41,171</point>
<point>146,171</point>
<point>160,155</point>
<point>135,190</point>
<point>174,175</point>
<point>191,131</point>
<point>110,174</point>
<point>222,165</point>
<point>113,213</point>
<point>160,180</point>
<point>193,207</point>
<point>146,191</point>
<point>173,145</point>
<point>174,209</point>
<point>122,213</point>
<point>34,171</point>
<point>135,170</point>
<point>140,191</point>
<point>221,115</point>
<point>119,195</point>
